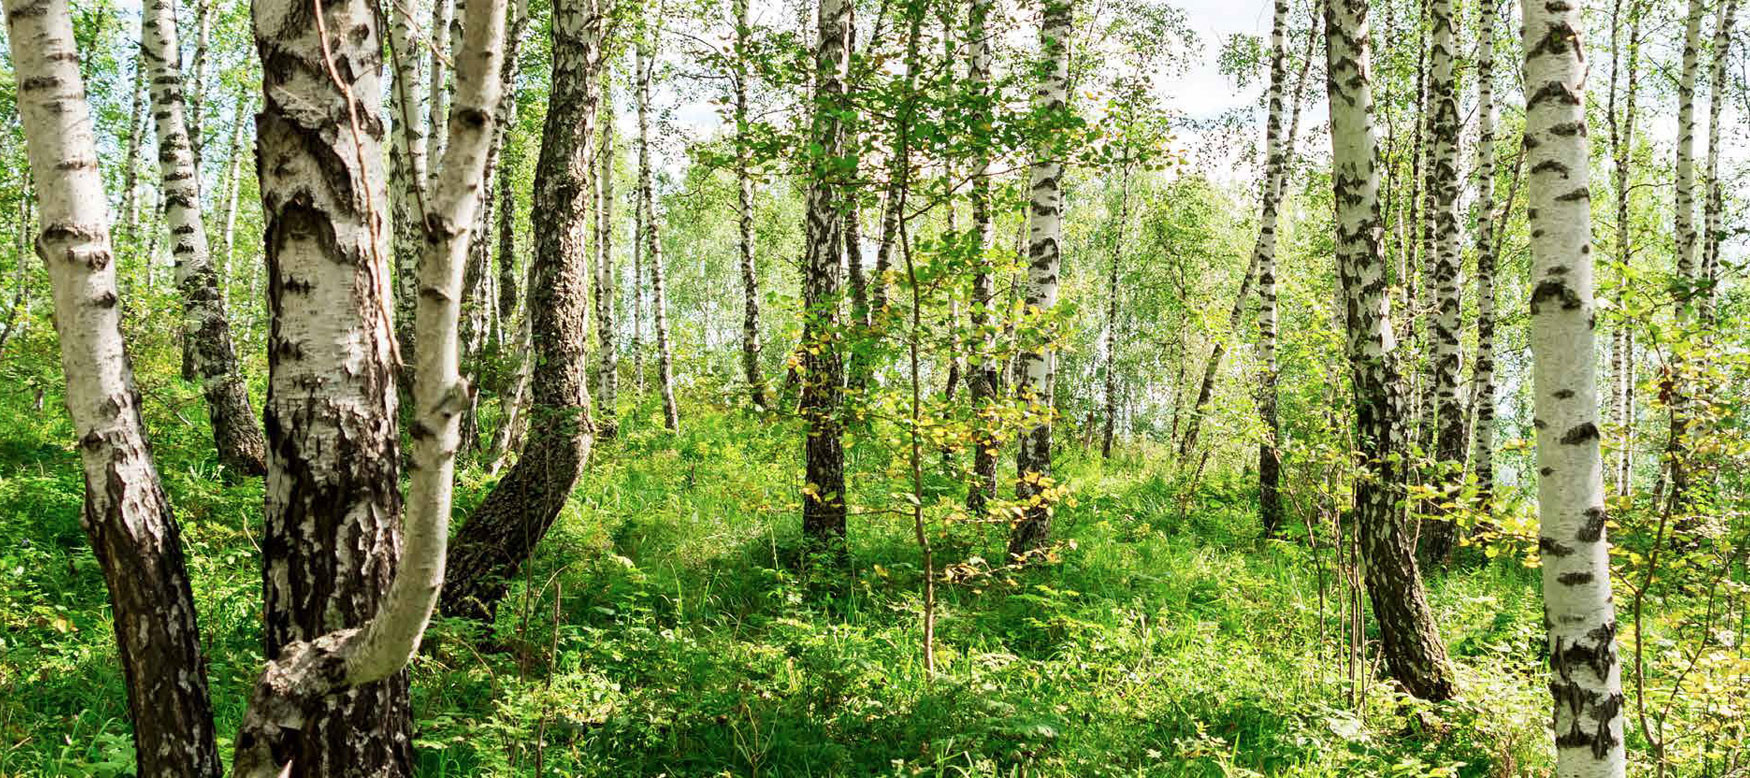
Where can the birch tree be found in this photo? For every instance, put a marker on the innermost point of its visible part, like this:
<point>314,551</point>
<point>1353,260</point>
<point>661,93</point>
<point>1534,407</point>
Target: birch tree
<point>1585,681</point>
<point>498,536</point>
<point>651,228</point>
<point>1622,134</point>
<point>822,366</point>
<point>126,515</point>
<point>1269,456</point>
<point>608,365</point>
<point>983,374</point>
<point>1482,456</point>
<point>750,284</point>
<point>1673,485</point>
<point>1411,646</point>
<point>1036,362</point>
<point>1714,200</point>
<point>206,329</point>
<point>1443,326</point>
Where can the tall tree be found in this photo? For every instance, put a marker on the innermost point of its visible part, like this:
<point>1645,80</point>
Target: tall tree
<point>1714,200</point>
<point>650,223</point>
<point>1622,134</point>
<point>1264,255</point>
<point>1482,455</point>
<point>1673,485</point>
<point>608,364</point>
<point>206,328</point>
<point>126,515</point>
<point>1585,685</point>
<point>1037,361</point>
<point>750,284</point>
<point>1443,326</point>
<point>823,494</point>
<point>983,374</point>
<point>407,159</point>
<point>1411,645</point>
<point>498,536</point>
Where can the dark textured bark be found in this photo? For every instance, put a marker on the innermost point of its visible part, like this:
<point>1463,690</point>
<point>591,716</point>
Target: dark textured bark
<point>1444,355</point>
<point>608,352</point>
<point>823,496</point>
<point>332,533</point>
<point>750,284</point>
<point>126,516</point>
<point>497,538</point>
<point>1483,367</point>
<point>1409,641</point>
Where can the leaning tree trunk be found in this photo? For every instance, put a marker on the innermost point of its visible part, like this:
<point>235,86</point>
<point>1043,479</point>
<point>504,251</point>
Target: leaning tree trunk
<point>1482,454</point>
<point>652,235</point>
<point>750,284</point>
<point>823,494</point>
<point>608,366</point>
<point>1671,491</point>
<point>1443,326</point>
<point>1410,642</point>
<point>1269,455</point>
<point>235,433</point>
<point>1212,365</point>
<point>1033,371</point>
<point>499,535</point>
<point>982,378</point>
<point>126,515</point>
<point>1585,681</point>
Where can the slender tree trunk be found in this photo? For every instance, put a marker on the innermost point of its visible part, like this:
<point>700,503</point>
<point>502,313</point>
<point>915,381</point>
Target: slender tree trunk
<point>1037,362</point>
<point>1269,457</point>
<point>499,535</point>
<point>608,367</point>
<point>232,186</point>
<point>1447,422</point>
<point>509,294</point>
<point>407,160</point>
<point>1714,202</point>
<point>1110,346</point>
<point>1673,486</point>
<point>197,87</point>
<point>750,319</point>
<point>126,515</point>
<point>652,237</point>
<point>1409,641</point>
<point>1482,454</point>
<point>131,166</point>
<point>1585,678</point>
<point>823,498</point>
<point>1622,133</point>
<point>984,366</point>
<point>208,332</point>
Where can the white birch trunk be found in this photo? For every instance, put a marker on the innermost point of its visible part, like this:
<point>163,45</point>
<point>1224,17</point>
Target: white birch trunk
<point>1585,681</point>
<point>646,65</point>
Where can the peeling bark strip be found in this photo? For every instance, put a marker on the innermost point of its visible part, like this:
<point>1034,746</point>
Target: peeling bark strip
<point>497,538</point>
<point>1036,362</point>
<point>823,497</point>
<point>1585,681</point>
<point>126,515</point>
<point>207,330</point>
<point>1411,644</point>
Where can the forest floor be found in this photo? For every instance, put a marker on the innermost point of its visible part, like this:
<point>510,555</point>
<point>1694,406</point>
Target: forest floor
<point>1165,639</point>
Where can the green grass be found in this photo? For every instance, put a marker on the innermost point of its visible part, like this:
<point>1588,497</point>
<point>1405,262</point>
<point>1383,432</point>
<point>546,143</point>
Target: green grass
<point>1168,641</point>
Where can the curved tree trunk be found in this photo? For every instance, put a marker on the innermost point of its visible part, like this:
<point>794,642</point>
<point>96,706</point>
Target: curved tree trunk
<point>1033,371</point>
<point>126,515</point>
<point>652,235</point>
<point>235,433</point>
<point>499,535</point>
<point>1585,683</point>
<point>1413,651</point>
<point>823,497</point>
